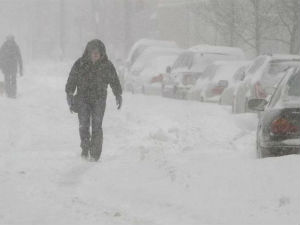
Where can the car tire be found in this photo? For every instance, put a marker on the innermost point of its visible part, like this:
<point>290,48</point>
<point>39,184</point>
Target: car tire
<point>220,101</point>
<point>246,105</point>
<point>143,90</point>
<point>262,152</point>
<point>175,92</point>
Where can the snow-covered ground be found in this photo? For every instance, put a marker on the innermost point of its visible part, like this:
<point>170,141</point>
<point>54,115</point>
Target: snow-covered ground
<point>164,162</point>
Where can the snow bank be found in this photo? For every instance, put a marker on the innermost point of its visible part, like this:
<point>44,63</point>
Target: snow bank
<point>164,162</point>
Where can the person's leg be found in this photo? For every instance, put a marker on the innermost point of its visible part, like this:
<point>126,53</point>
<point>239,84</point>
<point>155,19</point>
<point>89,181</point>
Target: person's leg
<point>98,110</point>
<point>84,116</point>
<point>14,85</point>
<point>7,82</point>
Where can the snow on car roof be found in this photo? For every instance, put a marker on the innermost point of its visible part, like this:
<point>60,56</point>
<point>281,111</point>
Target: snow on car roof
<point>227,69</point>
<point>142,44</point>
<point>222,50</point>
<point>285,57</point>
<point>285,60</point>
<point>154,52</point>
<point>157,65</point>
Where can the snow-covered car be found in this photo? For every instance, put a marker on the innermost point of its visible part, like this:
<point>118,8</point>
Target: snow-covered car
<point>145,74</point>
<point>261,79</point>
<point>238,70</point>
<point>216,78</point>
<point>278,131</point>
<point>190,65</point>
<point>140,46</point>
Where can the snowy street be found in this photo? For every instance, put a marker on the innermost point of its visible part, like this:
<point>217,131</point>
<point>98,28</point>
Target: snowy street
<point>164,161</point>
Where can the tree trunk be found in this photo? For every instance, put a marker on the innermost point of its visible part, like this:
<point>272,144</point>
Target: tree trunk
<point>232,40</point>
<point>62,30</point>
<point>257,26</point>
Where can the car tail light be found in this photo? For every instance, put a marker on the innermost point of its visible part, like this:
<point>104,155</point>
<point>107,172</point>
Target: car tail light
<point>217,90</point>
<point>283,126</point>
<point>157,79</point>
<point>259,91</point>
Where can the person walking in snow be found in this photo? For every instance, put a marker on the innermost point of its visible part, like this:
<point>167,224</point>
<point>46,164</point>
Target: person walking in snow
<point>10,60</point>
<point>89,77</point>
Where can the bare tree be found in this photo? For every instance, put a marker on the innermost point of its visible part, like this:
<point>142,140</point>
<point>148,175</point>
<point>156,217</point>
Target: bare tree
<point>62,29</point>
<point>289,19</point>
<point>244,22</point>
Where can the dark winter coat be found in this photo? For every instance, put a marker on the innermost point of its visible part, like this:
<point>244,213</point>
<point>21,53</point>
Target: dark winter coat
<point>91,80</point>
<point>10,58</point>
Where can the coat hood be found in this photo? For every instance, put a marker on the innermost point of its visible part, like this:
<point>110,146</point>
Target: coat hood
<point>95,44</point>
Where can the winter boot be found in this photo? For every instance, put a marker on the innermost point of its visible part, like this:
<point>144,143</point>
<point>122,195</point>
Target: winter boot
<point>86,148</point>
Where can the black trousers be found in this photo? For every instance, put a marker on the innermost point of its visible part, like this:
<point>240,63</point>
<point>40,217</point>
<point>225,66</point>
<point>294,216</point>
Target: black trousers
<point>90,117</point>
<point>10,84</point>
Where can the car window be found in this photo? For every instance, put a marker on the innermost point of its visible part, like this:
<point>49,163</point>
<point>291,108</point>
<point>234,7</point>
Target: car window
<point>257,64</point>
<point>184,60</point>
<point>137,53</point>
<point>275,72</point>
<point>277,68</point>
<point>276,96</point>
<point>294,85</point>
<point>210,71</point>
<point>240,74</point>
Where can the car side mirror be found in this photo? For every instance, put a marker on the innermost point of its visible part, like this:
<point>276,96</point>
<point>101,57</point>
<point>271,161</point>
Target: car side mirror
<point>257,104</point>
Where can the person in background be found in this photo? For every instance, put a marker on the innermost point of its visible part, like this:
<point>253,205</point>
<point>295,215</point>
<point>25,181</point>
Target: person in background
<point>89,77</point>
<point>10,62</point>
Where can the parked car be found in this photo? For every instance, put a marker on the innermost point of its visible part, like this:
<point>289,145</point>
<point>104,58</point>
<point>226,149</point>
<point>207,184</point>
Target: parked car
<point>144,74</point>
<point>261,78</point>
<point>278,131</point>
<point>190,65</point>
<point>140,46</point>
<point>239,72</point>
<point>216,78</point>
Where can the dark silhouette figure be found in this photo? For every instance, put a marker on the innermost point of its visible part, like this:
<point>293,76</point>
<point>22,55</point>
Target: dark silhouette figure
<point>89,77</point>
<point>10,60</point>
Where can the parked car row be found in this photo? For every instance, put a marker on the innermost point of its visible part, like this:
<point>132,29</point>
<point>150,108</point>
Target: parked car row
<point>268,84</point>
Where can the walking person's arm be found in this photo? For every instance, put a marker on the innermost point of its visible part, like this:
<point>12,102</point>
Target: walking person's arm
<point>20,61</point>
<point>72,84</point>
<point>116,86</point>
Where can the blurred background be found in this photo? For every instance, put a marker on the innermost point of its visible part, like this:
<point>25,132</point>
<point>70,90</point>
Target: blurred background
<point>59,29</point>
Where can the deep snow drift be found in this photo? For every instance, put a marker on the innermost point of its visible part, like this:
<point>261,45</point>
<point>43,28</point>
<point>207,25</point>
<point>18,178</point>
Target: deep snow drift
<point>164,162</point>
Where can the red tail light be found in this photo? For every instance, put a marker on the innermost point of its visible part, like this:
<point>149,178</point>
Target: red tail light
<point>157,79</point>
<point>259,91</point>
<point>217,90</point>
<point>283,126</point>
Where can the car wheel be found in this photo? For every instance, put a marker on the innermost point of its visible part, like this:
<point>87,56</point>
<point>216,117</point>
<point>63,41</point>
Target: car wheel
<point>175,92</point>
<point>162,90</point>
<point>220,101</point>
<point>246,105</point>
<point>262,152</point>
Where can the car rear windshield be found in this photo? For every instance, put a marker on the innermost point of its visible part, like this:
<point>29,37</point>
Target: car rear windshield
<point>294,85</point>
<point>185,60</point>
<point>278,67</point>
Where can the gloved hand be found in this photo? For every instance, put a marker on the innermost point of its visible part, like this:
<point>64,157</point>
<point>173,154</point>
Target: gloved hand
<point>70,101</point>
<point>119,101</point>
